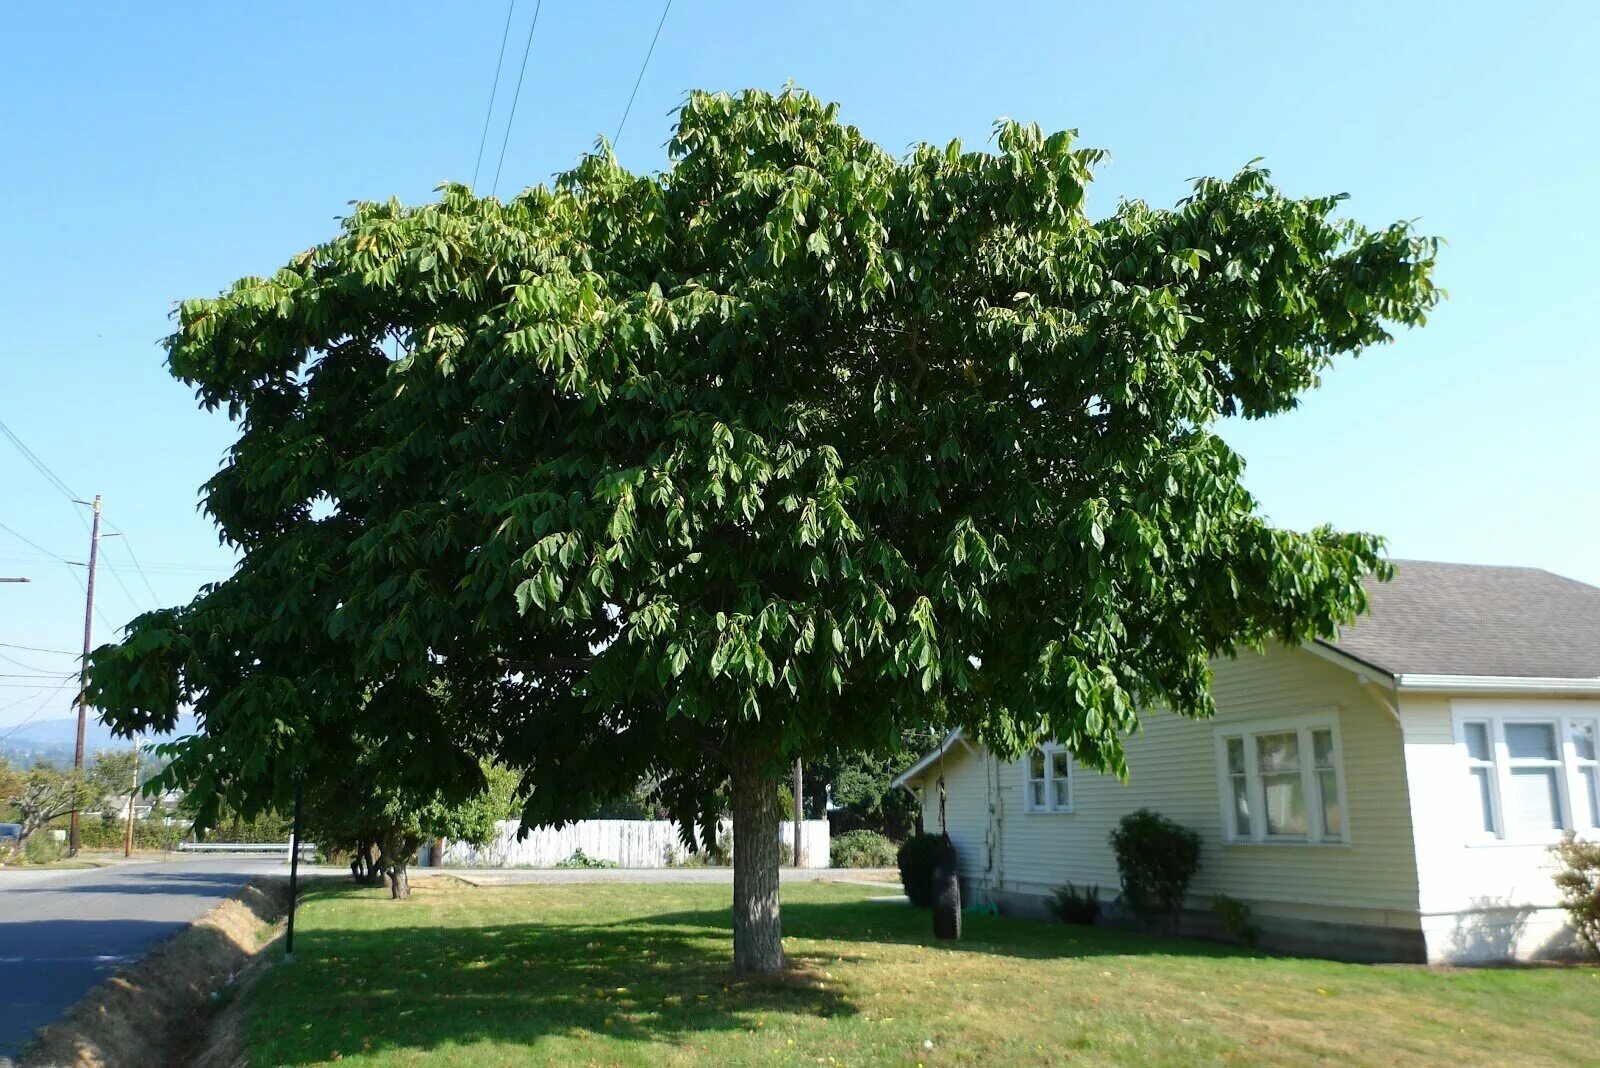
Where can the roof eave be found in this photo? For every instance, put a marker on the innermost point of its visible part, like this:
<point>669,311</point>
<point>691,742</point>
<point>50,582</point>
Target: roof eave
<point>922,765</point>
<point>1497,684</point>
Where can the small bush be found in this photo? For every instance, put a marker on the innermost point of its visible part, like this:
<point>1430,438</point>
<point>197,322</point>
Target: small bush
<point>916,860</point>
<point>861,849</point>
<point>147,834</point>
<point>1072,905</point>
<point>42,848</point>
<point>1156,859</point>
<point>1234,915</point>
<point>1579,883</point>
<point>580,859</point>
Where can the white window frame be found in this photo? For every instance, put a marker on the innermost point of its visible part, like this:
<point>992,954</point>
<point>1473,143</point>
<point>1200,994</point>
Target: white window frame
<point>1572,802</point>
<point>1049,749</point>
<point>1310,786</point>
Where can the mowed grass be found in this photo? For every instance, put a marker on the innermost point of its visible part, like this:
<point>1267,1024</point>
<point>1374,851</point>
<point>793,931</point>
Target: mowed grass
<point>636,974</point>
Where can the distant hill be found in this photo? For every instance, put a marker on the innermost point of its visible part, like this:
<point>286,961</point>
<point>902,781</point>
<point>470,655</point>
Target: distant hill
<point>55,739</point>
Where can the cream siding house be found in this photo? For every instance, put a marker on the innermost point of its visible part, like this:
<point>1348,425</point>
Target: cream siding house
<point>1388,796</point>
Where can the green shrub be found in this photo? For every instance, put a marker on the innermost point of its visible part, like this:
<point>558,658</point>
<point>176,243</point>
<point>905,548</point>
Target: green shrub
<point>861,849</point>
<point>1072,905</point>
<point>1156,859</point>
<point>580,859</point>
<point>147,834</point>
<point>1579,883</point>
<point>915,860</point>
<point>42,848</point>
<point>1234,915</point>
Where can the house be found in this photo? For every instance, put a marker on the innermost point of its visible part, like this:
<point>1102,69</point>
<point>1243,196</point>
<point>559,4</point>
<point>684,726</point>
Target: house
<point>1391,795</point>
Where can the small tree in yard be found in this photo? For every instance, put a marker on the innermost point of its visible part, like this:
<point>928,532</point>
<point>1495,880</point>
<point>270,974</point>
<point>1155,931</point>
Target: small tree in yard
<point>369,809</point>
<point>1156,859</point>
<point>784,450</point>
<point>42,794</point>
<point>1578,879</point>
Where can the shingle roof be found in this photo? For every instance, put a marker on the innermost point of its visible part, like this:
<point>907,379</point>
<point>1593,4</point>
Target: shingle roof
<point>1469,619</point>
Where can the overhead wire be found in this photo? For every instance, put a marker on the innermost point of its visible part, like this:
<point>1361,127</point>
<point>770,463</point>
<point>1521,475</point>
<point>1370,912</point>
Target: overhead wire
<point>515,96</point>
<point>28,454</point>
<point>640,79</point>
<point>494,91</point>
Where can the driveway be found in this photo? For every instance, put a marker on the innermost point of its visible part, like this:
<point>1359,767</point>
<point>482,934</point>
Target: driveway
<point>63,931</point>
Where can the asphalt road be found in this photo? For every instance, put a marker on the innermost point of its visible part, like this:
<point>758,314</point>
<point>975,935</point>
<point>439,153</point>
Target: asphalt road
<point>63,931</point>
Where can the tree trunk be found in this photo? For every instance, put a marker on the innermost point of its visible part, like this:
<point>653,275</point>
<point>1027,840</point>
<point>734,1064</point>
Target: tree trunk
<point>757,928</point>
<point>399,884</point>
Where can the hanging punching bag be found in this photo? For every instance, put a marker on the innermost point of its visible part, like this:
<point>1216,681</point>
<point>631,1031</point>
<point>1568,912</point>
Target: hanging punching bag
<point>946,891</point>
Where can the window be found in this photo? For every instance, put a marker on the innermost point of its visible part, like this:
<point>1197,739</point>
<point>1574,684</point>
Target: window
<point>1049,786</point>
<point>1282,783</point>
<point>1531,778</point>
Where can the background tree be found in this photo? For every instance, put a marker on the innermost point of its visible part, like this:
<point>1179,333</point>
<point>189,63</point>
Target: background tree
<point>781,451</point>
<point>44,794</point>
<point>370,810</point>
<point>111,779</point>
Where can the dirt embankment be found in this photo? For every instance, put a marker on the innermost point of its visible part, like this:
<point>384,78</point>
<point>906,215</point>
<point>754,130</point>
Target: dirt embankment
<point>164,1009</point>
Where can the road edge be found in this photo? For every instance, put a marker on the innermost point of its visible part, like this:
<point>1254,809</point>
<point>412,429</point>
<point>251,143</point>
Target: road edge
<point>161,1009</point>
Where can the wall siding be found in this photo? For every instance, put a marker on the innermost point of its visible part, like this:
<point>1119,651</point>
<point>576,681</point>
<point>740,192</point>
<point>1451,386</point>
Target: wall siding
<point>1478,901</point>
<point>1173,770</point>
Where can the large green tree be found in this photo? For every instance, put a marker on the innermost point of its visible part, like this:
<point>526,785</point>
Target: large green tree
<point>782,450</point>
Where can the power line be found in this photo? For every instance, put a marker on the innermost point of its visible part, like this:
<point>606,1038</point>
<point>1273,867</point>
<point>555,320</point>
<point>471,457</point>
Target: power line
<point>517,95</point>
<point>640,79</point>
<point>37,649</point>
<point>36,545</point>
<point>101,616</point>
<point>128,545</point>
<point>31,716</point>
<point>494,90</point>
<point>28,454</point>
<point>22,663</point>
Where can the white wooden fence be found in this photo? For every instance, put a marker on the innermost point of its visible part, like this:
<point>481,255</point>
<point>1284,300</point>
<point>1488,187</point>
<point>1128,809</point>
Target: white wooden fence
<point>626,843</point>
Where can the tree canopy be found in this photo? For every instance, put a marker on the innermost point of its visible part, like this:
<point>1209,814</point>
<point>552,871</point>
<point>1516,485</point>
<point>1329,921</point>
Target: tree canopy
<point>785,449</point>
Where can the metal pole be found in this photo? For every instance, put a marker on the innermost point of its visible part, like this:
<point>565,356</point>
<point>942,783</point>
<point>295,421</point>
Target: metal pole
<point>799,810</point>
<point>294,869</point>
<point>83,672</point>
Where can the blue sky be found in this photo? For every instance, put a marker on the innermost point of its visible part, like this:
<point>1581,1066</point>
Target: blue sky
<point>157,152</point>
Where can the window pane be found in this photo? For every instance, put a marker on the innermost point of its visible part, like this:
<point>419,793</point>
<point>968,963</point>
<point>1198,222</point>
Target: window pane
<point>1036,764</point>
<point>1059,788</point>
<point>1036,794</point>
<point>1235,756</point>
<point>1278,752</point>
<point>1332,810</point>
<point>1477,736</point>
<point>1322,748</point>
<point>1286,803</point>
<point>1241,807</point>
<point>1534,804</point>
<point>1591,785</point>
<point>1531,741</point>
<point>1060,765</point>
<point>1583,739</point>
<point>1483,785</point>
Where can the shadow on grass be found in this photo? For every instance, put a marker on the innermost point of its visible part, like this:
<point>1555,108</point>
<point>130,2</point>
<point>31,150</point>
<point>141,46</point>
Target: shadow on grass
<point>648,979</point>
<point>416,981</point>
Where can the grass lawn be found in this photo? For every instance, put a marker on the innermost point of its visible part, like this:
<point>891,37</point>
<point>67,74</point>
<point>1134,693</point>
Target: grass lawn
<point>631,974</point>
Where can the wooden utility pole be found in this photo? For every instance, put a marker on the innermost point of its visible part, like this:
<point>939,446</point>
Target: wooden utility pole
<point>133,797</point>
<point>799,810</point>
<point>83,672</point>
